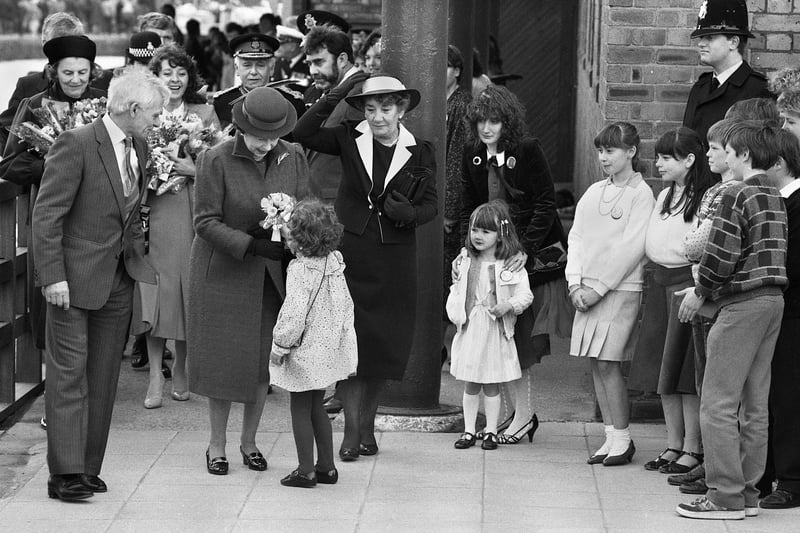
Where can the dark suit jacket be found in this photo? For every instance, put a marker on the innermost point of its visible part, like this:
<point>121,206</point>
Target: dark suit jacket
<point>80,228</point>
<point>533,208</point>
<point>704,108</point>
<point>353,144</point>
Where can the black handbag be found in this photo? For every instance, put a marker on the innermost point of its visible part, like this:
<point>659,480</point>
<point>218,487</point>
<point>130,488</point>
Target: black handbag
<point>411,183</point>
<point>551,260</point>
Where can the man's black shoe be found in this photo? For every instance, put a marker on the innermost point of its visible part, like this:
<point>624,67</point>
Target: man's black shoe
<point>781,499</point>
<point>139,353</point>
<point>94,483</point>
<point>68,488</point>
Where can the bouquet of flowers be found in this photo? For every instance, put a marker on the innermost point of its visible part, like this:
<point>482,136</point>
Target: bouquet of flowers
<point>176,136</point>
<point>278,207</point>
<point>54,118</point>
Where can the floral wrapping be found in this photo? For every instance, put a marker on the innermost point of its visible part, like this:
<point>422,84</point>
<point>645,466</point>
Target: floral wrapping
<point>52,120</point>
<point>278,207</point>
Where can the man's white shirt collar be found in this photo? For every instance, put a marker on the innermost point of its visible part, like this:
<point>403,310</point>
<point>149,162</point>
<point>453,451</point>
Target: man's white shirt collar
<point>723,76</point>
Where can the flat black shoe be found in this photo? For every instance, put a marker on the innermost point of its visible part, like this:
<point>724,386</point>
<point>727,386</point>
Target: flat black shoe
<point>623,458</point>
<point>659,461</point>
<point>698,472</point>
<point>327,478</point>
<point>139,353</point>
<point>467,440</point>
<point>296,479</point>
<point>217,466</point>
<point>674,467</point>
<point>94,483</point>
<point>489,441</point>
<point>253,461</point>
<point>368,449</point>
<point>780,499</point>
<point>349,454</point>
<point>167,353</point>
<point>695,487</point>
<point>68,488</point>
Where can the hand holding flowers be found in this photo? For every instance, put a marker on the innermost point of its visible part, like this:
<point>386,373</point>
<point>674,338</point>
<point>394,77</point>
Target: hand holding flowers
<point>278,207</point>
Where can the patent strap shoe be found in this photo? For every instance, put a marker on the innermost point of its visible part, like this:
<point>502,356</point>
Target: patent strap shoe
<point>94,483</point>
<point>659,461</point>
<point>467,440</point>
<point>623,458</point>
<point>675,467</point>
<point>327,478</point>
<point>68,488</point>
<point>253,461</point>
<point>217,466</point>
<point>781,499</point>
<point>489,441</point>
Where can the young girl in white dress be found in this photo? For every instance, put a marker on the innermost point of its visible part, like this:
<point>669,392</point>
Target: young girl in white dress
<point>483,303</point>
<point>604,274</point>
<point>313,341</point>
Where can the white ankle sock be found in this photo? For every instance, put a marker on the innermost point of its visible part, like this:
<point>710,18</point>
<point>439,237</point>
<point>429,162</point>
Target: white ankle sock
<point>603,450</point>
<point>470,402</point>
<point>491,404</point>
<point>622,438</point>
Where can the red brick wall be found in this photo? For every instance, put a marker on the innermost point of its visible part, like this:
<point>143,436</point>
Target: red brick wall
<point>645,64</point>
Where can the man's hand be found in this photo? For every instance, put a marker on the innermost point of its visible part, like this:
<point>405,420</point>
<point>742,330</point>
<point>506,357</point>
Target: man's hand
<point>57,294</point>
<point>516,262</point>
<point>275,358</point>
<point>449,225</point>
<point>690,305</point>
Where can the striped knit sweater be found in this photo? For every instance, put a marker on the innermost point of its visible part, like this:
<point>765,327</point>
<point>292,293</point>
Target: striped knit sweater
<point>746,248</point>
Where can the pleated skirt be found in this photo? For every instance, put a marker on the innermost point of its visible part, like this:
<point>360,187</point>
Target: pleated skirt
<point>605,331</point>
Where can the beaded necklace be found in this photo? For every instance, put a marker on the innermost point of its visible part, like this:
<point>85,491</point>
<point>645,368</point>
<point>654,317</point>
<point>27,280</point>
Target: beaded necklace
<point>614,211</point>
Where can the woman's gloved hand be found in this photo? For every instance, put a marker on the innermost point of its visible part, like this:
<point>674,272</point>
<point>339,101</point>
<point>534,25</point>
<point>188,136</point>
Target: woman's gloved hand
<point>400,209</point>
<point>266,248</point>
<point>336,94</point>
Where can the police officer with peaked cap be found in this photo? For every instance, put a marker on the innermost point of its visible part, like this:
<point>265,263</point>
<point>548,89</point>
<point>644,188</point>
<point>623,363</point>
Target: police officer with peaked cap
<point>721,35</point>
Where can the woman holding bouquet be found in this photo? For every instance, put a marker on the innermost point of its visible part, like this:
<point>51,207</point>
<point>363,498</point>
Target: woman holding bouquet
<point>163,306</point>
<point>236,280</point>
<point>387,190</point>
<point>70,69</point>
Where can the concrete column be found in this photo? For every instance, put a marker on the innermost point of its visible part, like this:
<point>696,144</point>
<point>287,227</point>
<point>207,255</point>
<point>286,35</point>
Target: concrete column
<point>461,21</point>
<point>415,50</point>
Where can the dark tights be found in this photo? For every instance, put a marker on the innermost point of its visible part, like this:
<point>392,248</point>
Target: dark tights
<point>310,423</point>
<point>360,402</point>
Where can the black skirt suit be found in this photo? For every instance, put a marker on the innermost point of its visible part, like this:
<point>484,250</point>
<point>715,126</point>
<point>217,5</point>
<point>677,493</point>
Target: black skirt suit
<point>381,257</point>
<point>528,190</point>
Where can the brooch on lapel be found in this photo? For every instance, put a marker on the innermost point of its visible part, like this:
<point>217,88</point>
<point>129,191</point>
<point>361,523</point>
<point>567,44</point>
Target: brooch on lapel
<point>511,162</point>
<point>476,160</point>
<point>281,158</point>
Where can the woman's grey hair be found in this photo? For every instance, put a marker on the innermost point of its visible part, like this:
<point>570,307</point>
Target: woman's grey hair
<point>135,86</point>
<point>59,25</point>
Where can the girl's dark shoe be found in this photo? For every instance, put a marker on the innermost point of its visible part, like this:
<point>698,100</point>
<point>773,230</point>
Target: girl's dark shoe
<point>348,454</point>
<point>467,440</point>
<point>489,441</point>
<point>253,461</point>
<point>296,479</point>
<point>596,459</point>
<point>368,449</point>
<point>528,429</point>
<point>659,461</point>
<point>623,458</point>
<point>327,478</point>
<point>675,467</point>
<point>217,466</point>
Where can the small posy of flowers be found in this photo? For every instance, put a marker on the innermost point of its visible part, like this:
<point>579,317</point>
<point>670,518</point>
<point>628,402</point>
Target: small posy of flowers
<point>278,208</point>
<point>54,118</point>
<point>173,136</point>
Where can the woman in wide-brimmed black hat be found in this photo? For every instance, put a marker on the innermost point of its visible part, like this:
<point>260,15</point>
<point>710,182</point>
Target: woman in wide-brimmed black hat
<point>387,190</point>
<point>236,278</point>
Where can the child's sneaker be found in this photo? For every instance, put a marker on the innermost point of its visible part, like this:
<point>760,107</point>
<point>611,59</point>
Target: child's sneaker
<point>705,509</point>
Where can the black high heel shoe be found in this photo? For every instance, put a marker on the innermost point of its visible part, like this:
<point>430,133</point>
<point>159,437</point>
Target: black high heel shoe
<point>253,461</point>
<point>524,430</point>
<point>624,457</point>
<point>217,466</point>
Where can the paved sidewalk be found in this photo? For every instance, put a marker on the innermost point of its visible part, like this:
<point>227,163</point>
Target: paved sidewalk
<point>418,482</point>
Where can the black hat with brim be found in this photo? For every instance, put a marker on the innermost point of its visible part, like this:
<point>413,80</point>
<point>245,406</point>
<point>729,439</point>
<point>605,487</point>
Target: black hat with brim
<point>318,17</point>
<point>263,112</point>
<point>254,46</point>
<point>722,17</point>
<point>69,46</point>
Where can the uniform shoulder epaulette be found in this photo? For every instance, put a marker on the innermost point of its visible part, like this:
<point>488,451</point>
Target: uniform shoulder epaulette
<point>225,91</point>
<point>294,94</point>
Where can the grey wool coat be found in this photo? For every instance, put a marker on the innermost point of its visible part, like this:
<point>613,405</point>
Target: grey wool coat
<point>228,339</point>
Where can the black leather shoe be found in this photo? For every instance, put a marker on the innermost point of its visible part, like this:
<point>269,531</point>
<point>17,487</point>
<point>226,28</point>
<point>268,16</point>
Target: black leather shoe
<point>623,458</point>
<point>695,487</point>
<point>489,441</point>
<point>368,449</point>
<point>139,354</point>
<point>68,488</point>
<point>467,440</point>
<point>296,479</point>
<point>596,459</point>
<point>327,478</point>
<point>217,466</point>
<point>167,353</point>
<point>780,499</point>
<point>94,483</point>
<point>349,454</point>
<point>698,472</point>
<point>253,461</point>
<point>166,371</point>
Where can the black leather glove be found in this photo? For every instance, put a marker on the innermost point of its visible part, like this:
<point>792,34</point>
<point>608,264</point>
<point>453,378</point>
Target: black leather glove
<point>266,248</point>
<point>336,94</point>
<point>398,208</point>
<point>257,232</point>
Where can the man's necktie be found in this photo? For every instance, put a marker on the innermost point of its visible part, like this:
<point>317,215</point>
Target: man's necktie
<point>129,177</point>
<point>714,83</point>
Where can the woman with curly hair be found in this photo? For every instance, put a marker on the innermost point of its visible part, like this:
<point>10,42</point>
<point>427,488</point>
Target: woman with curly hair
<point>163,305</point>
<point>786,84</point>
<point>313,342</point>
<point>502,162</point>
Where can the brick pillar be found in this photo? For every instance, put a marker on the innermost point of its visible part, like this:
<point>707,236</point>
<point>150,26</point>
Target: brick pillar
<point>414,49</point>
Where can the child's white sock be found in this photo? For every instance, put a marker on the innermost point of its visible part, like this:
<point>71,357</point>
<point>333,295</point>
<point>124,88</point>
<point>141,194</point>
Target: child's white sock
<point>491,404</point>
<point>603,450</point>
<point>471,402</point>
<point>622,438</point>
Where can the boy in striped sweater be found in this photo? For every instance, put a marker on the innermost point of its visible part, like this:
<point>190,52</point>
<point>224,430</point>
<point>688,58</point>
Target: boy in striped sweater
<point>743,272</point>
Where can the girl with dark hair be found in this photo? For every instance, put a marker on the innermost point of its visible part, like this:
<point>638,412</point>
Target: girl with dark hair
<point>604,272</point>
<point>371,52</point>
<point>163,305</point>
<point>502,163</point>
<point>681,161</point>
<point>484,300</point>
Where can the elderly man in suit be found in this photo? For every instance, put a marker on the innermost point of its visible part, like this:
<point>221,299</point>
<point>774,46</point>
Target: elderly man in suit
<point>88,244</point>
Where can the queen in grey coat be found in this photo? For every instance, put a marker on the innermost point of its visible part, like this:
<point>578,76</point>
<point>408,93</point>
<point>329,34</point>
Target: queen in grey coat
<point>236,281</point>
